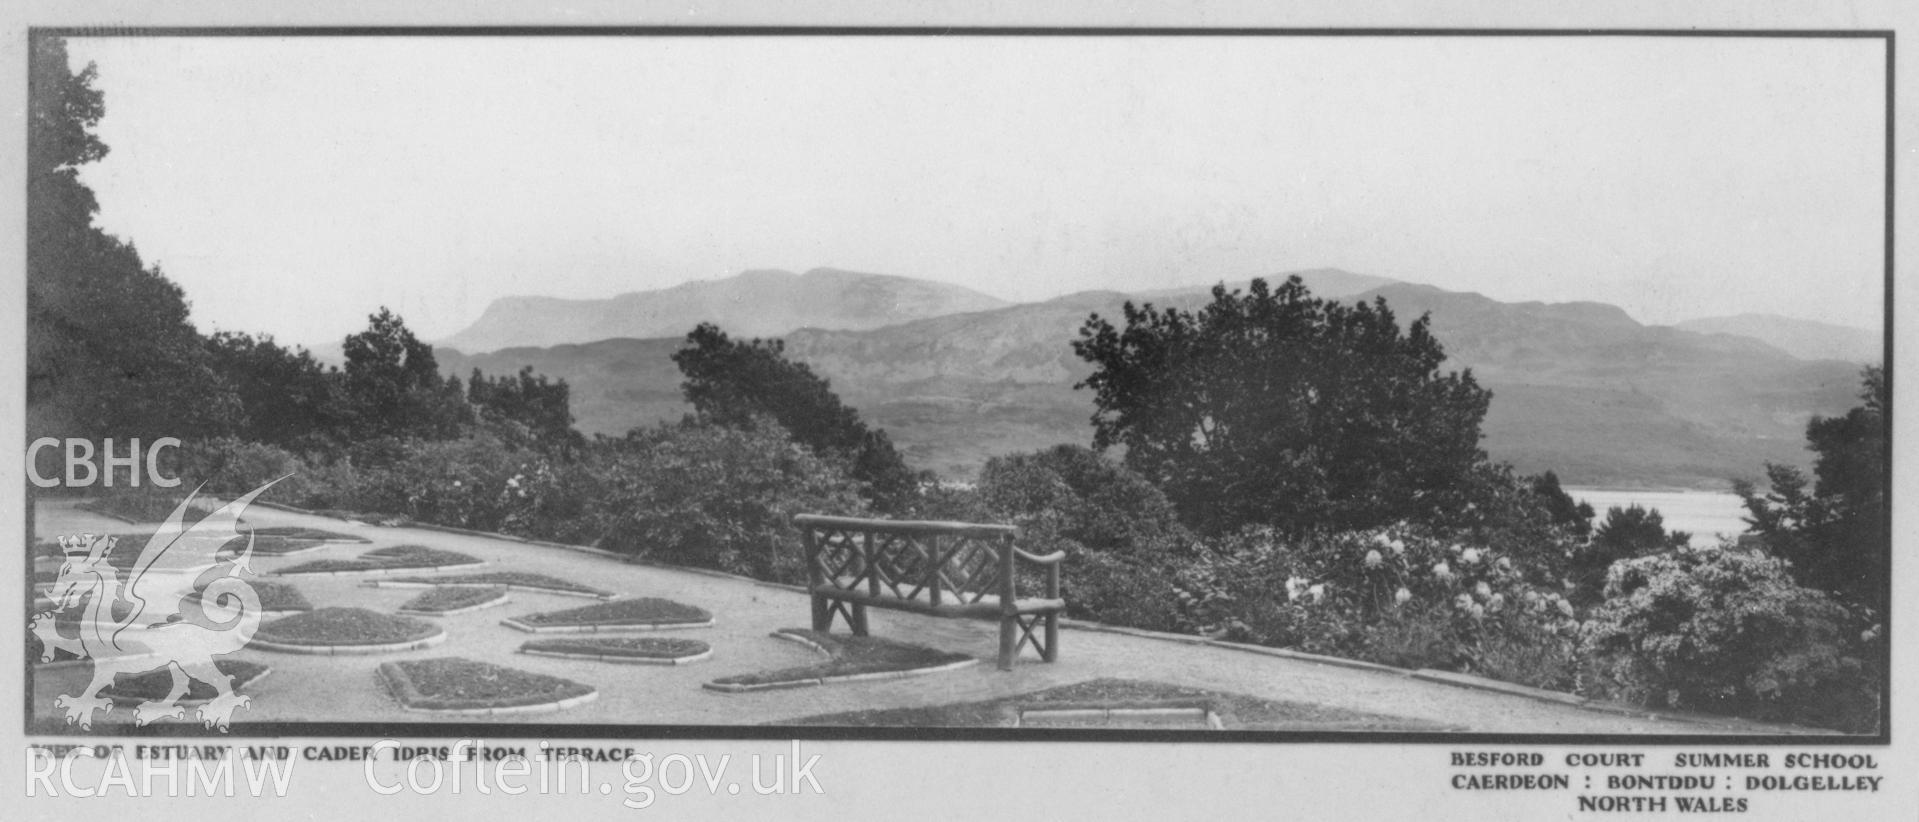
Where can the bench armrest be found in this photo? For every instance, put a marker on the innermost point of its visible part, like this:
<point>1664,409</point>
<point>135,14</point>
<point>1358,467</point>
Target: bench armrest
<point>1047,559</point>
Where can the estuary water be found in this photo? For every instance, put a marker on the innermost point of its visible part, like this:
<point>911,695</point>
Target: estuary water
<point>1707,515</point>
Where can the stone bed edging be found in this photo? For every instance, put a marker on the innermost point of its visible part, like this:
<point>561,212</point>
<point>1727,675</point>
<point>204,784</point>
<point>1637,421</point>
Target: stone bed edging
<point>401,690</point>
<point>600,627</point>
<point>618,659</point>
<point>1454,679</point>
<point>348,650</point>
<point>495,602</point>
<point>388,583</point>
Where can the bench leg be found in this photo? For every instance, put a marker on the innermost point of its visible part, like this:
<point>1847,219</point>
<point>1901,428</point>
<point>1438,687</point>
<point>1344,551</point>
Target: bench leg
<point>1008,641</point>
<point>858,622</point>
<point>822,614</point>
<point>1052,637</point>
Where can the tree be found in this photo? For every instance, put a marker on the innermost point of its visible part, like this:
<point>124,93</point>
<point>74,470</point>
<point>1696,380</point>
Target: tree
<point>1561,507</point>
<point>394,388</point>
<point>110,350</point>
<point>286,396</point>
<point>1276,408</point>
<point>540,404</point>
<point>733,383</point>
<point>1626,533</point>
<point>1836,537</point>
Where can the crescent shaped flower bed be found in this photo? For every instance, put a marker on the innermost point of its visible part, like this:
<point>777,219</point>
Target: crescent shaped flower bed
<point>447,601</point>
<point>337,631</point>
<point>849,659</point>
<point>648,650</point>
<point>512,580</point>
<point>272,546</point>
<point>299,532</point>
<point>463,686</point>
<point>388,560</point>
<point>642,614</point>
<point>133,689</point>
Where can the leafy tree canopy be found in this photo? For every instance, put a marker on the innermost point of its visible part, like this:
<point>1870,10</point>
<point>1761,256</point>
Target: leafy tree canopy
<point>732,383</point>
<point>1835,535</point>
<point>1277,408</point>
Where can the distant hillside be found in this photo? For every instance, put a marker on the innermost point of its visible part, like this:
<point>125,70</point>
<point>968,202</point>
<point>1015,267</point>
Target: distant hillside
<point>1805,339</point>
<point>1580,388</point>
<point>752,304</point>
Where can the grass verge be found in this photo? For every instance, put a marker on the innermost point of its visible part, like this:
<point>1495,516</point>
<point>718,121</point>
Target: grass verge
<point>662,649</point>
<point>1237,711</point>
<point>511,579</point>
<point>442,600</point>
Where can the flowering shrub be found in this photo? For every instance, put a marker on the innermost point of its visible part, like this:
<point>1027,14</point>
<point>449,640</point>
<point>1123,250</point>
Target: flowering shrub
<point>1404,595</point>
<point>1729,631</point>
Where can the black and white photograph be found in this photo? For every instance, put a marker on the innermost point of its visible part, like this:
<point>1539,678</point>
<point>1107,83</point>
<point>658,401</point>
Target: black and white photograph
<point>518,402</point>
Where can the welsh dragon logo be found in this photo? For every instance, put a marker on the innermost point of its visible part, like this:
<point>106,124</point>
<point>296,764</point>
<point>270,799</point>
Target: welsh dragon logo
<point>181,603</point>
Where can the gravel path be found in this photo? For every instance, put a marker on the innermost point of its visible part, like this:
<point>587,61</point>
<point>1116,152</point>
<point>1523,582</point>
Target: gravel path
<point>344,689</point>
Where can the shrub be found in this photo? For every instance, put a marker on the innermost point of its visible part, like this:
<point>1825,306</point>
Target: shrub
<point>1730,632</point>
<point>232,466</point>
<point>1404,596</point>
<point>716,497</point>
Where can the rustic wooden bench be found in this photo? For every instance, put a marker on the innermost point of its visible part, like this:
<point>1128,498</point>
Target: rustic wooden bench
<point>947,569</point>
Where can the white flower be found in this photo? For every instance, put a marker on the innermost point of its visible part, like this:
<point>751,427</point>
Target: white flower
<point>1443,571</point>
<point>1399,546</point>
<point>1566,608</point>
<point>1497,602</point>
<point>1374,560</point>
<point>1479,611</point>
<point>1382,540</point>
<point>1470,556</point>
<point>1504,564</point>
<point>1401,596</point>
<point>456,483</point>
<point>1455,547</point>
<point>1483,590</point>
<point>1294,587</point>
<point>1317,592</point>
<point>1463,601</point>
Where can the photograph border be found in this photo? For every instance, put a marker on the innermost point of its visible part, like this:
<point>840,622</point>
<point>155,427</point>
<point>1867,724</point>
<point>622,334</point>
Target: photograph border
<point>602,731</point>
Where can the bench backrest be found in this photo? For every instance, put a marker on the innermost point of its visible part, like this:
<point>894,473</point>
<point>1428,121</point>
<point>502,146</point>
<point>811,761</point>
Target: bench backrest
<point>934,563</point>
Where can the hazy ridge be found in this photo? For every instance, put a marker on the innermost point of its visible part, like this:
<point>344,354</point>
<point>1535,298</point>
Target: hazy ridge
<point>1580,388</point>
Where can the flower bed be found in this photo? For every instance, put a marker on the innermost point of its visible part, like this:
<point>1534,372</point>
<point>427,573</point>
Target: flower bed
<point>508,579</point>
<point>646,613</point>
<point>443,601</point>
<point>272,546</point>
<point>372,518</point>
<point>638,650</point>
<point>346,630</point>
<point>849,658</point>
<point>397,558</point>
<point>134,689</point>
<point>275,597</point>
<point>454,685</point>
<point>298,532</point>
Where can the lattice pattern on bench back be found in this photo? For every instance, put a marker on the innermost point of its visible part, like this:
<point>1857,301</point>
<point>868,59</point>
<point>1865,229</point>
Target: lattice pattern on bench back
<point>961,567</point>
<point>942,568</point>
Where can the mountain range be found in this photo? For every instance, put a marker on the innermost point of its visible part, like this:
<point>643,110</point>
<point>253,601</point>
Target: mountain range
<point>1580,388</point>
<point>1805,339</point>
<point>752,304</point>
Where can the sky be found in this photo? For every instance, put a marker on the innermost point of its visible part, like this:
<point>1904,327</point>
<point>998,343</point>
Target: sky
<point>293,185</point>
